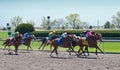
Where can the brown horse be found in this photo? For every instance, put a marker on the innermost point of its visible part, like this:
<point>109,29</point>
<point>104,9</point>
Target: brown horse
<point>27,42</point>
<point>44,40</point>
<point>67,43</point>
<point>91,42</point>
<point>15,42</point>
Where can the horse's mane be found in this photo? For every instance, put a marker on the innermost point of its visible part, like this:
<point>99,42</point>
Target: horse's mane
<point>99,36</point>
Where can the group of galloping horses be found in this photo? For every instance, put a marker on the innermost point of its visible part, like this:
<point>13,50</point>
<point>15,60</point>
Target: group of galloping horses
<point>70,41</point>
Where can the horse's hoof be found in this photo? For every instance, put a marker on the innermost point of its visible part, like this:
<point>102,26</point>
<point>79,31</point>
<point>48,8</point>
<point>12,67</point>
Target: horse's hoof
<point>77,55</point>
<point>51,56</point>
<point>16,53</point>
<point>10,53</point>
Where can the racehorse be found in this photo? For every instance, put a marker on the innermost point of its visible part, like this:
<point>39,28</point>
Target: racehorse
<point>15,42</point>
<point>91,42</point>
<point>44,40</point>
<point>66,43</point>
<point>27,41</point>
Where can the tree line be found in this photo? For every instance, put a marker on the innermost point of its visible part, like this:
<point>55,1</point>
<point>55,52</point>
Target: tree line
<point>72,20</point>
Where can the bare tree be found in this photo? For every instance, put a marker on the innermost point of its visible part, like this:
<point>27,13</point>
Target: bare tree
<point>44,23</point>
<point>85,25</point>
<point>116,19</point>
<point>16,21</point>
<point>59,23</point>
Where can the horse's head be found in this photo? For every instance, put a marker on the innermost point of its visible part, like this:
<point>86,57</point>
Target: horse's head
<point>32,36</point>
<point>98,37</point>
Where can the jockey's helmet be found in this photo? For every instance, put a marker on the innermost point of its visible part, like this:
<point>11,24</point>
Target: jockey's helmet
<point>17,32</point>
<point>68,32</point>
<point>87,31</point>
<point>53,31</point>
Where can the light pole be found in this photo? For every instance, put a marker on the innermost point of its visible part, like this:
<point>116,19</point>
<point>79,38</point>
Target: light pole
<point>98,23</point>
<point>9,30</point>
<point>48,22</point>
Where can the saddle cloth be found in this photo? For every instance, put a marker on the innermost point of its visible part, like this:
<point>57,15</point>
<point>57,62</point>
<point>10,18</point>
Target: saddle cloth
<point>84,41</point>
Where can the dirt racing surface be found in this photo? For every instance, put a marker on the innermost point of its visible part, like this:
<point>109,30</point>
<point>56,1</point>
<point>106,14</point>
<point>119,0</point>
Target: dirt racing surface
<point>41,60</point>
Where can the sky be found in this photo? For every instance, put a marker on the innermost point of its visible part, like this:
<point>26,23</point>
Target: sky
<point>90,11</point>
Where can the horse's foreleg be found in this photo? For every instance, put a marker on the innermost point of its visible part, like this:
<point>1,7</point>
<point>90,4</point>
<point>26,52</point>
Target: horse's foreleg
<point>83,51</point>
<point>8,48</point>
<point>41,45</point>
<point>16,48</point>
<point>30,47</point>
<point>96,51</point>
<point>50,47</point>
<point>52,52</point>
<point>86,49</point>
<point>74,51</point>
<point>81,48</point>
<point>56,52</point>
<point>100,50</point>
<point>27,48</point>
<point>69,51</point>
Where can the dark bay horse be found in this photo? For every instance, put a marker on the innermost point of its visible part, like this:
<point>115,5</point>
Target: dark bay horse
<point>67,43</point>
<point>15,42</point>
<point>27,42</point>
<point>18,41</point>
<point>44,40</point>
<point>91,42</point>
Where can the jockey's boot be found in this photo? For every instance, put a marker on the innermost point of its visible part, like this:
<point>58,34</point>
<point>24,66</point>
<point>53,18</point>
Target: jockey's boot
<point>62,42</point>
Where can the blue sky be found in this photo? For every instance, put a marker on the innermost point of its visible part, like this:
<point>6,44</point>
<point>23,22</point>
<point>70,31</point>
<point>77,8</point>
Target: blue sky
<point>89,10</point>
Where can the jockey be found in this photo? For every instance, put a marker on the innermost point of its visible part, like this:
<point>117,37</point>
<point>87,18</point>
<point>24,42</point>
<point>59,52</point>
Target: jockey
<point>51,34</point>
<point>16,34</point>
<point>26,35</point>
<point>63,36</point>
<point>14,37</point>
<point>75,36</point>
<point>83,34</point>
<point>88,34</point>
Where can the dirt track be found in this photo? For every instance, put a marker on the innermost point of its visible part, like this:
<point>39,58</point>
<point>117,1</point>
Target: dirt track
<point>40,60</point>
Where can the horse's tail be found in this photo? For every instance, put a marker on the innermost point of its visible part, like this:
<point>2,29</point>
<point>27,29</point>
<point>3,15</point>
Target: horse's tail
<point>49,42</point>
<point>4,43</point>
